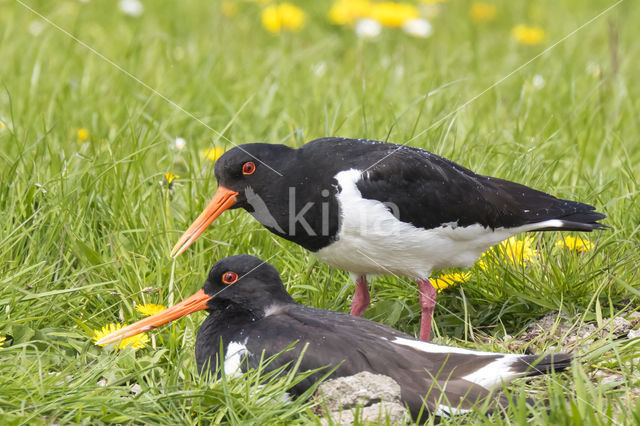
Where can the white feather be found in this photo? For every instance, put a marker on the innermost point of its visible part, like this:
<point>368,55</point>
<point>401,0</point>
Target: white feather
<point>371,240</point>
<point>432,348</point>
<point>233,357</point>
<point>495,373</point>
<point>490,376</point>
<point>446,411</point>
<point>272,310</point>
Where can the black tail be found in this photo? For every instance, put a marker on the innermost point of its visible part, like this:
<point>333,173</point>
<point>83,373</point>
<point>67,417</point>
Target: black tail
<point>524,205</point>
<point>585,220</point>
<point>535,365</point>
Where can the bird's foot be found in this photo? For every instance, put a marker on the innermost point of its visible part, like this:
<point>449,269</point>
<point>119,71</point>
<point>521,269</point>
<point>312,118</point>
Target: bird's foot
<point>361,297</point>
<point>427,303</point>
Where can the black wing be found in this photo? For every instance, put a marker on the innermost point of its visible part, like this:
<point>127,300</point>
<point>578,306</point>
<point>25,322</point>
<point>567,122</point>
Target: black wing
<point>430,190</point>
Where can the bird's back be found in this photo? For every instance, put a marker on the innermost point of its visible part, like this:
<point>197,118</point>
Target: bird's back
<point>430,190</point>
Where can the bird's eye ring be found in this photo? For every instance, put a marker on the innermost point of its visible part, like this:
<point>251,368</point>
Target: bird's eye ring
<point>248,168</point>
<point>229,277</point>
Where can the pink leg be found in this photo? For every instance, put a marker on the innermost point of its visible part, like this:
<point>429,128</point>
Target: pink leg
<point>427,303</point>
<point>361,298</point>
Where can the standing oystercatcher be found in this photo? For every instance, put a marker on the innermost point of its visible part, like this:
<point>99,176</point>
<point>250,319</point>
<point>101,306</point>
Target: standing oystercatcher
<point>252,317</point>
<point>377,208</point>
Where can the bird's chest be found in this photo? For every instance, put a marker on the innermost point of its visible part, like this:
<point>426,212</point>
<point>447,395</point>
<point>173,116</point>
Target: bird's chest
<point>370,240</point>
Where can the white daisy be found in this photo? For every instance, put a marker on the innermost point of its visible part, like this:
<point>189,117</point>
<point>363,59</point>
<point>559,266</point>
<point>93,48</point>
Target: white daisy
<point>368,28</point>
<point>180,143</point>
<point>538,82</point>
<point>131,7</point>
<point>418,27</point>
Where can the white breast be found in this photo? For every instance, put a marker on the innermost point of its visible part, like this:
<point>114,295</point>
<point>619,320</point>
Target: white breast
<point>371,240</point>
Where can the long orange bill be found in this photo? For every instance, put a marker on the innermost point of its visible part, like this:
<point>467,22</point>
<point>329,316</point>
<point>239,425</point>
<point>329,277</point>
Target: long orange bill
<point>222,200</point>
<point>191,304</point>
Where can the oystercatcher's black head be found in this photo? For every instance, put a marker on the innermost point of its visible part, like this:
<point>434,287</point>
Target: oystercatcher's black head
<point>247,282</point>
<point>254,166</point>
<point>244,282</point>
<point>242,172</point>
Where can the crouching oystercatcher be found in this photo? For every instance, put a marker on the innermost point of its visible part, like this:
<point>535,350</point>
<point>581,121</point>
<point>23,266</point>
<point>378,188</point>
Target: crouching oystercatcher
<point>377,208</point>
<point>251,316</point>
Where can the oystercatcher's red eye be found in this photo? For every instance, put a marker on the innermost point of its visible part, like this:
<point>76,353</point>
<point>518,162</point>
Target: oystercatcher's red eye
<point>248,168</point>
<point>229,277</point>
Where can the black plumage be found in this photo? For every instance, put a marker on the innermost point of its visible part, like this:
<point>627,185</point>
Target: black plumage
<point>428,189</point>
<point>444,215</point>
<point>253,312</point>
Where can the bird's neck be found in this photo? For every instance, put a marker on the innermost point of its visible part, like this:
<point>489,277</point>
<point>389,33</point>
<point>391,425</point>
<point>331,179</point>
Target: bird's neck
<point>306,213</point>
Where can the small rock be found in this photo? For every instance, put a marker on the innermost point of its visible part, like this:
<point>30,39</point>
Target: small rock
<point>363,388</point>
<point>102,382</point>
<point>633,334</point>
<point>587,330</point>
<point>634,315</point>
<point>378,395</point>
<point>621,325</point>
<point>379,413</point>
<point>547,323</point>
<point>613,378</point>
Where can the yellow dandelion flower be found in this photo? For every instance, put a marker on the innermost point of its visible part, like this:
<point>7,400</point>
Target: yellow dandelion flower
<point>511,251</point>
<point>170,177</point>
<point>575,243</point>
<point>283,16</point>
<point>83,134</point>
<point>149,309</point>
<point>449,280</point>
<point>2,339</point>
<point>525,34</point>
<point>347,12</point>
<point>213,153</point>
<point>483,12</point>
<point>392,14</point>
<point>482,264</point>
<point>518,252</point>
<point>228,9</point>
<point>136,342</point>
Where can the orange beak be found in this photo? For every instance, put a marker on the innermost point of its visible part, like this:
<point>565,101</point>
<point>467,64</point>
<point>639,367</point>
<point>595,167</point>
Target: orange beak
<point>222,200</point>
<point>191,304</point>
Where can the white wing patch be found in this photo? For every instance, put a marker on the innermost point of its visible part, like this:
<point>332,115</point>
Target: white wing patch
<point>233,357</point>
<point>490,376</point>
<point>495,373</point>
<point>437,349</point>
<point>446,411</point>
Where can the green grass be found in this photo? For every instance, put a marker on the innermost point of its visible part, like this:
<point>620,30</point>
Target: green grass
<point>86,226</point>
